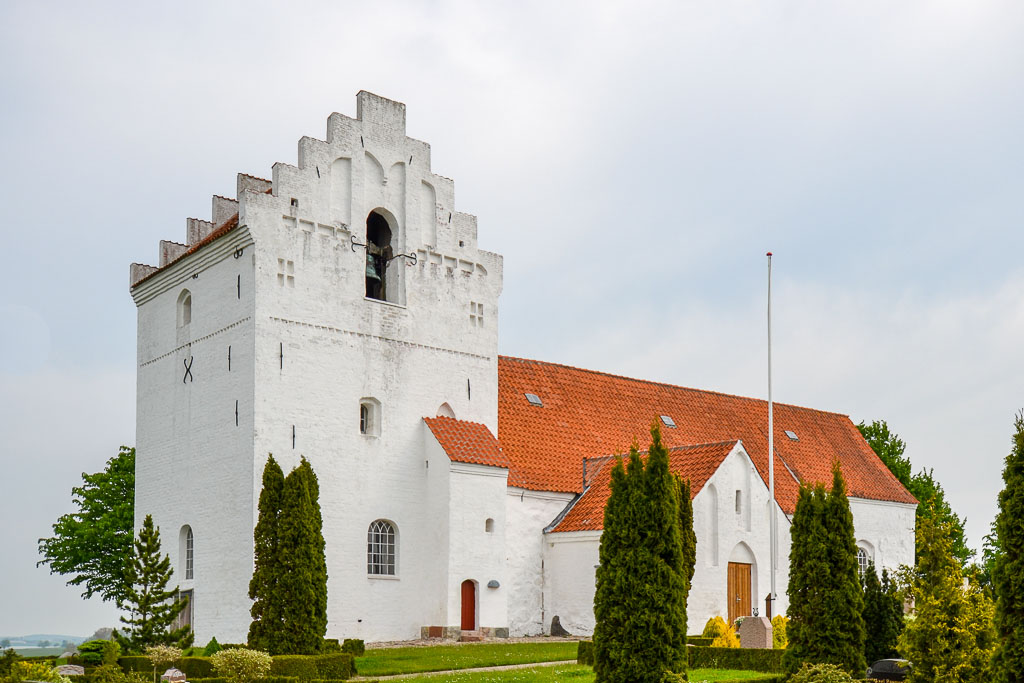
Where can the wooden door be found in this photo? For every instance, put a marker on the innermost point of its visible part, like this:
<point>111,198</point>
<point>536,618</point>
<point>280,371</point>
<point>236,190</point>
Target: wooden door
<point>468,605</point>
<point>739,590</point>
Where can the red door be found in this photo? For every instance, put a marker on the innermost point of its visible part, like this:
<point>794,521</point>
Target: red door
<point>468,605</point>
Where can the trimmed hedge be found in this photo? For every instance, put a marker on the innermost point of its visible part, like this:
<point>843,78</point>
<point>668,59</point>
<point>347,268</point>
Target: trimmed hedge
<point>336,666</point>
<point>699,641</point>
<point>769,661</point>
<point>354,646</point>
<point>302,667</point>
<point>585,652</point>
<point>132,663</point>
<point>192,667</point>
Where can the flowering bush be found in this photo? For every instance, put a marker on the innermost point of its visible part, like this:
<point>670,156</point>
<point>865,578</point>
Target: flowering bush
<point>35,671</point>
<point>241,666</point>
<point>820,673</point>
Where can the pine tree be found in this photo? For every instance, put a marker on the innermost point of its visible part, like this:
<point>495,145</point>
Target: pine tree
<point>883,616</point>
<point>152,608</point>
<point>266,608</point>
<point>319,595</point>
<point>952,636</point>
<point>843,620</point>
<point>299,565</point>
<point>807,588</point>
<point>640,601</point>
<point>1008,570</point>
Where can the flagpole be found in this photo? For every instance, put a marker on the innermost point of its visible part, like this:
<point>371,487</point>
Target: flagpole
<point>771,450</point>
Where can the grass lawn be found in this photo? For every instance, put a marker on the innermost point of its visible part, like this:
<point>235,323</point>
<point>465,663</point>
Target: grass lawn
<point>402,660</point>
<point>577,674</point>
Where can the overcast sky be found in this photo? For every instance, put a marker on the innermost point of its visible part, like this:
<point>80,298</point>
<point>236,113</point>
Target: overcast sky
<point>633,162</point>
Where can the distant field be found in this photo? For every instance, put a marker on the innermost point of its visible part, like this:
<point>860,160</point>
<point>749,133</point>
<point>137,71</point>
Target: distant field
<point>38,651</point>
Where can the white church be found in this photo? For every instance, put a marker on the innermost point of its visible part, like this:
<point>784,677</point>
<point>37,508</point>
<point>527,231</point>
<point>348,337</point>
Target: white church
<point>344,311</point>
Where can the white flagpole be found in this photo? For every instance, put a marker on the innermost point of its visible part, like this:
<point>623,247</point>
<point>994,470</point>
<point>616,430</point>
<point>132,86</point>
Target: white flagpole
<point>771,449</point>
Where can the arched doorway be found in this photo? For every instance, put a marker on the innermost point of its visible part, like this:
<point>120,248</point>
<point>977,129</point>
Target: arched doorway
<point>468,605</point>
<point>740,582</point>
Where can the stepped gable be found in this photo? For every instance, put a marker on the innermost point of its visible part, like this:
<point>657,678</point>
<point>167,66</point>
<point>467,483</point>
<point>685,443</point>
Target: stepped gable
<point>696,463</point>
<point>465,441</point>
<point>586,414</point>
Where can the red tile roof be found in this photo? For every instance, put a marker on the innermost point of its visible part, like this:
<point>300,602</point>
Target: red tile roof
<point>589,414</point>
<point>696,463</point>
<point>467,441</point>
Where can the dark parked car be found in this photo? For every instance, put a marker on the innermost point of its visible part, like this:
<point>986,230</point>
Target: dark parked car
<point>890,670</point>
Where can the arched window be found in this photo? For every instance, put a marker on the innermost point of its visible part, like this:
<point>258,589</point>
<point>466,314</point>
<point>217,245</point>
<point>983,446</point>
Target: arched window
<point>187,550</point>
<point>380,549</point>
<point>863,559</point>
<point>489,525</point>
<point>184,308</point>
<point>369,416</point>
<point>378,256</point>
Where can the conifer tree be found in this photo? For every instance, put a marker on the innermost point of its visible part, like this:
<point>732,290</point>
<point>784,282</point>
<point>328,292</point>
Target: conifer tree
<point>883,616</point>
<point>1008,572</point>
<point>807,588</point>
<point>688,536</point>
<point>640,600</point>
<point>266,608</point>
<point>952,637</point>
<point>843,620</point>
<point>151,608</point>
<point>298,547</point>
<point>319,596</point>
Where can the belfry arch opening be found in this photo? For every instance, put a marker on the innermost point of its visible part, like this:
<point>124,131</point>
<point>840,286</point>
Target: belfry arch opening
<point>378,256</point>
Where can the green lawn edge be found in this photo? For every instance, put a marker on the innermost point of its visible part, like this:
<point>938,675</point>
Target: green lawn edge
<point>405,660</point>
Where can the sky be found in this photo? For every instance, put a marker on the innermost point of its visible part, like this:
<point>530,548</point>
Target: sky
<point>633,162</point>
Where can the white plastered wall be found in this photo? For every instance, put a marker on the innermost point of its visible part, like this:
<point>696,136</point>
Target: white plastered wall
<point>527,514</point>
<point>885,530</point>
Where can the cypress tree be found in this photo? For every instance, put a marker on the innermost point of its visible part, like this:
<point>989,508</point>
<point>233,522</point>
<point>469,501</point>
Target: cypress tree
<point>297,557</point>
<point>151,606</point>
<point>883,616</point>
<point>266,608</point>
<point>808,572</point>
<point>1008,572</point>
<point>688,536</point>
<point>319,594</point>
<point>640,600</point>
<point>610,600</point>
<point>843,620</point>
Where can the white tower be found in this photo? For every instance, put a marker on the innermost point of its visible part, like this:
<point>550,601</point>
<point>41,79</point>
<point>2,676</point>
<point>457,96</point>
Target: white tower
<point>322,314</point>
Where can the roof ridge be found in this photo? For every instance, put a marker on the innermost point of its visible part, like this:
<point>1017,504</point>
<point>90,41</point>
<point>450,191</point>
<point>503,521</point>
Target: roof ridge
<point>668,384</point>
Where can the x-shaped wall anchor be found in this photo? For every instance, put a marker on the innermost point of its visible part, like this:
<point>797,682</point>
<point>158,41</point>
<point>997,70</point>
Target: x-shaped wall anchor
<point>188,369</point>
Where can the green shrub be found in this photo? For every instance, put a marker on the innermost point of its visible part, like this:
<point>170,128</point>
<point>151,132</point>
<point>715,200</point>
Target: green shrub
<point>302,667</point>
<point>669,677</point>
<point>337,665</point>
<point>242,666</point>
<point>779,639</point>
<point>212,647</point>
<point>331,645</point>
<point>7,661</point>
<point>769,661</point>
<point>91,652</point>
<point>355,646</point>
<point>111,673</point>
<point>585,652</point>
<point>820,673</point>
<point>132,663</point>
<point>196,667</point>
<point>34,671</point>
<point>699,641</point>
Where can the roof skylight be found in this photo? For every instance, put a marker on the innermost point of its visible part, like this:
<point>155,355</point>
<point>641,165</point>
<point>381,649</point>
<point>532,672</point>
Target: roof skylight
<point>792,436</point>
<point>668,421</point>
<point>534,400</point>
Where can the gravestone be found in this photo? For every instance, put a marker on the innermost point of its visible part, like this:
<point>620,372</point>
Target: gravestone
<point>756,632</point>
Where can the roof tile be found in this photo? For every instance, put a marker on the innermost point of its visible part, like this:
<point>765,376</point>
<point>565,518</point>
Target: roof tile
<point>467,441</point>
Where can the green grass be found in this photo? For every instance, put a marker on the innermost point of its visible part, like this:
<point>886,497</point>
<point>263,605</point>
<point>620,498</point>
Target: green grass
<point>578,674</point>
<point>402,660</point>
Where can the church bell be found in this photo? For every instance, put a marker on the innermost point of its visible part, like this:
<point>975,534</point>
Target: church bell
<point>372,270</point>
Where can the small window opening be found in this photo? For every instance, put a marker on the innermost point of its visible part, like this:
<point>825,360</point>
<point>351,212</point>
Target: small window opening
<point>739,501</point>
<point>668,421</point>
<point>184,308</point>
<point>534,400</point>
<point>792,436</point>
<point>378,254</point>
<point>489,525</point>
<point>189,558</point>
<point>862,562</point>
<point>369,417</point>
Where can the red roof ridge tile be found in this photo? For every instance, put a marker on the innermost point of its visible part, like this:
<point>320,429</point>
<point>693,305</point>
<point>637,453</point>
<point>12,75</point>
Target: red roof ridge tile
<point>664,384</point>
<point>218,232</point>
<point>256,177</point>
